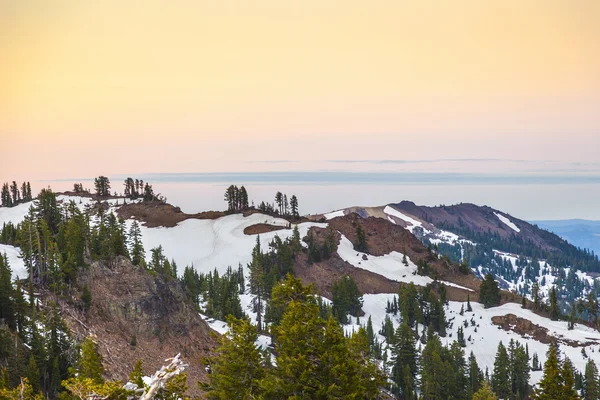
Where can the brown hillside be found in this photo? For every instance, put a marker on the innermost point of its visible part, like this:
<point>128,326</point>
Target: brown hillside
<point>153,214</point>
<point>137,316</point>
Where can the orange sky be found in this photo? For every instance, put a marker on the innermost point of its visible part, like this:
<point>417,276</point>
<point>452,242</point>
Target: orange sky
<point>89,87</point>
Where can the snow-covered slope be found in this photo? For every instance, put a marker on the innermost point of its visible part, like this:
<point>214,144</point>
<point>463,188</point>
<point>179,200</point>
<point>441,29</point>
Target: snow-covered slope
<point>485,336</point>
<point>208,244</point>
<point>389,265</point>
<point>508,222</point>
<point>15,262</point>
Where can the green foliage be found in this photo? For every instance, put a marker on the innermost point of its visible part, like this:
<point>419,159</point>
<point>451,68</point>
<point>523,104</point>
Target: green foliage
<point>591,389</point>
<point>102,186</point>
<point>558,380</point>
<point>236,198</point>
<point>404,362</point>
<point>484,393</point>
<point>346,298</point>
<point>239,367</point>
<point>314,358</point>
<point>86,298</point>
<point>489,293</point>
<point>90,365</point>
<point>361,243</point>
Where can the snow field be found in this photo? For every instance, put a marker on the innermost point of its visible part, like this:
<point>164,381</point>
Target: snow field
<point>389,265</point>
<point>508,222</point>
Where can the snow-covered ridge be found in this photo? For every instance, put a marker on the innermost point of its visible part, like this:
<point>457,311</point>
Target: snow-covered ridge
<point>389,265</point>
<point>333,214</point>
<point>412,223</point>
<point>507,222</point>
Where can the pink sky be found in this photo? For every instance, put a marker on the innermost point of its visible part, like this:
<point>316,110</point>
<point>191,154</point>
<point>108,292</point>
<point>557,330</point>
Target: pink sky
<point>90,88</point>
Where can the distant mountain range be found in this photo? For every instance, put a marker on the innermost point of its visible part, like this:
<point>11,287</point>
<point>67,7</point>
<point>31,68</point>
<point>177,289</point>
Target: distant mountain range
<point>580,232</point>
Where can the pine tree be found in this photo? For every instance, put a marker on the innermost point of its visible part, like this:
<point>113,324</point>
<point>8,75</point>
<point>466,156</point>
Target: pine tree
<point>590,390</point>
<point>137,374</point>
<point>551,386</point>
<point>404,361</point>
<point>137,247</point>
<point>554,309</point>
<point>294,206</point>
<point>238,368</point>
<point>102,186</point>
<point>485,393</point>
<point>86,298</point>
<point>489,293</point>
<point>91,362</point>
<point>346,298</point>
<point>501,382</point>
<point>475,374</point>
<point>279,201</point>
<point>361,239</point>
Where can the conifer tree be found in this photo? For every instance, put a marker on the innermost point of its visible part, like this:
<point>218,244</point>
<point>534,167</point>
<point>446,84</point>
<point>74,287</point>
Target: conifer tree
<point>404,361</point>
<point>137,374</point>
<point>346,298</point>
<point>484,393</point>
<point>590,388</point>
<point>489,293</point>
<point>86,298</point>
<point>551,387</point>
<point>554,310</point>
<point>238,368</point>
<point>501,382</point>
<point>90,365</point>
<point>475,374</point>
<point>361,239</point>
<point>294,206</point>
<point>137,247</point>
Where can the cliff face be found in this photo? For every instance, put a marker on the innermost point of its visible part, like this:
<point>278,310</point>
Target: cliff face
<point>135,315</point>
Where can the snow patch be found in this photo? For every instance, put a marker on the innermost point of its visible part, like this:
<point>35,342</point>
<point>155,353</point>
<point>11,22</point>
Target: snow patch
<point>389,265</point>
<point>15,261</point>
<point>507,222</point>
<point>333,214</point>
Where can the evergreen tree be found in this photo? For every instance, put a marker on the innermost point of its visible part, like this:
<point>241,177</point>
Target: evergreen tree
<point>475,374</point>
<point>137,247</point>
<point>86,298</point>
<point>90,365</point>
<point>551,387</point>
<point>489,293</point>
<point>404,362</point>
<point>294,206</point>
<point>485,393</point>
<point>346,298</point>
<point>554,310</point>
<point>136,376</point>
<point>501,382</point>
<point>238,368</point>
<point>590,390</point>
<point>361,239</point>
<point>102,186</point>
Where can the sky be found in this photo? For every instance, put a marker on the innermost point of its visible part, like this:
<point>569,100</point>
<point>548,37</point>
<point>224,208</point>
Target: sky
<point>111,87</point>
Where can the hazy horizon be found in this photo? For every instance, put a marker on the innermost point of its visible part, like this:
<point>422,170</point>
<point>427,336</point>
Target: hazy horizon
<point>393,91</point>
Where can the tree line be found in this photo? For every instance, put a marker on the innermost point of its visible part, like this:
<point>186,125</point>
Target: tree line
<point>237,200</point>
<point>12,194</point>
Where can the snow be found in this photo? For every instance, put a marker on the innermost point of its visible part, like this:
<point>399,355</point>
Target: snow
<point>485,341</point>
<point>508,222</point>
<point>221,327</point>
<point>14,214</point>
<point>219,243</point>
<point>333,214</point>
<point>16,263</point>
<point>413,223</point>
<point>389,265</point>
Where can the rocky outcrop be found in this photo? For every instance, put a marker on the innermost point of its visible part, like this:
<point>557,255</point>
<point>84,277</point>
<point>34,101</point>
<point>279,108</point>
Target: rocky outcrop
<point>135,315</point>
